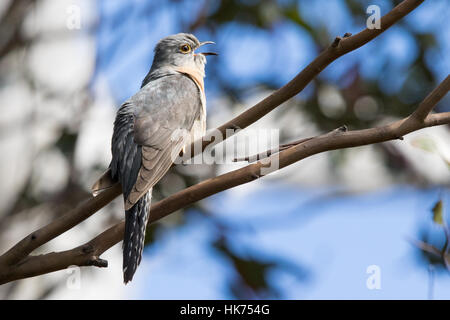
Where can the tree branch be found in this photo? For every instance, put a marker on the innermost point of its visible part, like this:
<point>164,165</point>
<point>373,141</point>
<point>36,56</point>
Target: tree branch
<point>17,263</point>
<point>268,153</point>
<point>58,226</point>
<point>426,247</point>
<point>432,99</point>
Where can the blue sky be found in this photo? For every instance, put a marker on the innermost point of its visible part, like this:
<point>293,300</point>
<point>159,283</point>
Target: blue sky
<point>335,240</point>
<point>128,31</point>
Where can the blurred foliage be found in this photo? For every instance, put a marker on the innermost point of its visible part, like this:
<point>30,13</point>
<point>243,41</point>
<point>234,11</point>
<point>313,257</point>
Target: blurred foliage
<point>252,273</point>
<point>438,212</point>
<point>251,279</point>
<point>429,145</point>
<point>439,238</point>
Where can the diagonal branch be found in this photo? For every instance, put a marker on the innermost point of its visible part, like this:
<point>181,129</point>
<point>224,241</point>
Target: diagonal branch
<point>36,239</point>
<point>432,99</point>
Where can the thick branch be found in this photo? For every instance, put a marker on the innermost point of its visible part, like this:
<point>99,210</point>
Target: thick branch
<point>58,226</point>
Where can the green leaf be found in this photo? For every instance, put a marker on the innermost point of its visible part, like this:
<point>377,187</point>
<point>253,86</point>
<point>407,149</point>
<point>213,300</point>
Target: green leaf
<point>438,212</point>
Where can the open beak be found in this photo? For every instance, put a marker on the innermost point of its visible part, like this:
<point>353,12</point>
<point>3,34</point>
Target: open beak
<point>208,53</point>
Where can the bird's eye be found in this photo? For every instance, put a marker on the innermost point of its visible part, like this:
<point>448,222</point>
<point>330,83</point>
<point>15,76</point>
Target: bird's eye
<point>185,48</point>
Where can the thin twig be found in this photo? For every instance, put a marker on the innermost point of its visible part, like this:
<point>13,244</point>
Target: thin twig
<point>431,100</point>
<point>268,153</point>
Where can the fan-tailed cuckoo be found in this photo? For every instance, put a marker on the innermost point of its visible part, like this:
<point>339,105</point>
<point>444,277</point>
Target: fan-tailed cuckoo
<point>149,133</point>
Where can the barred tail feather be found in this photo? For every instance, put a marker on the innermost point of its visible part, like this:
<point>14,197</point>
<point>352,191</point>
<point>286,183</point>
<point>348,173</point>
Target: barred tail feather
<point>133,242</point>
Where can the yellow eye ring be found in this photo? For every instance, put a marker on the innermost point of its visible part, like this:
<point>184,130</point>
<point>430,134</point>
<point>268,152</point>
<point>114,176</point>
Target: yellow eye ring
<point>185,48</point>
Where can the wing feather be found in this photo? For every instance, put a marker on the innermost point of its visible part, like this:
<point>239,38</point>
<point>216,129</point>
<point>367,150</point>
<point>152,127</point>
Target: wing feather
<point>150,131</point>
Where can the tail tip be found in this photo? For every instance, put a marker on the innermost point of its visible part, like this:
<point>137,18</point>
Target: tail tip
<point>127,276</point>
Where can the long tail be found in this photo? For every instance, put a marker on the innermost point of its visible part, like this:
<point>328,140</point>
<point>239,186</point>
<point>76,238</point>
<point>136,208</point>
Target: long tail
<point>133,242</point>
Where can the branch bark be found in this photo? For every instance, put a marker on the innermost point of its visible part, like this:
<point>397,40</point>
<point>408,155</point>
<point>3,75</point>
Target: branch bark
<point>17,263</point>
<point>430,101</point>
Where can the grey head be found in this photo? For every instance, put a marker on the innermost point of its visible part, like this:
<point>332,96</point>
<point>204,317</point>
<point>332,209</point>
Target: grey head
<point>178,50</point>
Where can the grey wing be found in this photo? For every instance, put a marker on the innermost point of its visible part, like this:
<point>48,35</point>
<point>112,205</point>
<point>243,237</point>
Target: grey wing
<point>164,112</point>
<point>126,154</point>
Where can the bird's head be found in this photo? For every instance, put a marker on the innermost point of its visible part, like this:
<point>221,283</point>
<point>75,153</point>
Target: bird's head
<point>178,50</point>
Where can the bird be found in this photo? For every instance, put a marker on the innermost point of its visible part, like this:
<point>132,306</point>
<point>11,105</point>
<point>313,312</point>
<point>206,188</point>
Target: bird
<point>151,129</point>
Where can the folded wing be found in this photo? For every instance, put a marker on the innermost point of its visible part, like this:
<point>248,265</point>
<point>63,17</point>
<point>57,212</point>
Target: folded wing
<point>150,130</point>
